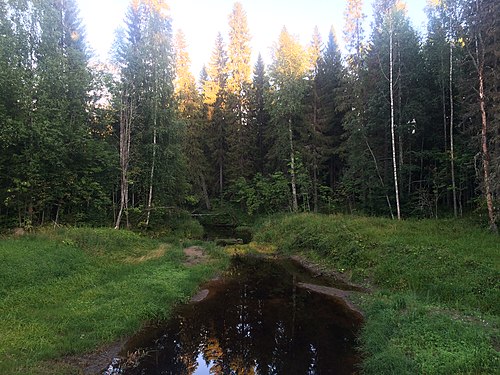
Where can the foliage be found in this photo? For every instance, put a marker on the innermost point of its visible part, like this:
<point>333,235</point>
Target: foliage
<point>51,164</point>
<point>262,194</point>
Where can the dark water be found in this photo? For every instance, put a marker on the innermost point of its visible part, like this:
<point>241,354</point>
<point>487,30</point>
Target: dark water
<point>254,321</point>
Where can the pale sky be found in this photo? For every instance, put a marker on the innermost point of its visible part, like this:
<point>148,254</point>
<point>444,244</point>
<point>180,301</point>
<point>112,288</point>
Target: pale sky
<point>201,20</point>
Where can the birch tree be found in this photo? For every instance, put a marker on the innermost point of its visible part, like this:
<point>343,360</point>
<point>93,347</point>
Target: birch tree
<point>482,46</point>
<point>287,72</point>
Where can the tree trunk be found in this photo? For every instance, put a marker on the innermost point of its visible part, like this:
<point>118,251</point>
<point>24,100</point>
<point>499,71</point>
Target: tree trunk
<point>486,155</point>
<point>205,192</point>
<point>151,176</point>
<point>295,204</point>
<point>478,61</point>
<point>126,115</point>
<point>153,161</point>
<point>393,138</point>
<point>315,186</point>
<point>220,180</point>
<point>445,128</point>
<point>380,178</point>
<point>452,145</point>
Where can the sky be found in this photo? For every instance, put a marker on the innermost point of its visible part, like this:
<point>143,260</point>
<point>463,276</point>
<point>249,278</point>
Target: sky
<point>201,20</point>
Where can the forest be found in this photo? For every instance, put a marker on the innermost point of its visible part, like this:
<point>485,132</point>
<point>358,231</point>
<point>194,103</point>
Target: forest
<point>400,125</point>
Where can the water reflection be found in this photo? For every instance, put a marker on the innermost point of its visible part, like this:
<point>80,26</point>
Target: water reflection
<point>256,321</point>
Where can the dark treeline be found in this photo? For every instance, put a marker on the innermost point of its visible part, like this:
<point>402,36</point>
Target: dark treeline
<point>402,125</point>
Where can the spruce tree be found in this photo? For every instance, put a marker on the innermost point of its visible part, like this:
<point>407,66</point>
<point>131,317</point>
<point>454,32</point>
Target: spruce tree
<point>215,97</point>
<point>240,135</point>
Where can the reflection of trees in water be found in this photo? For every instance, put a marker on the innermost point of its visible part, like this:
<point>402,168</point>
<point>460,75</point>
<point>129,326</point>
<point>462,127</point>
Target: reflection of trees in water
<point>254,326</point>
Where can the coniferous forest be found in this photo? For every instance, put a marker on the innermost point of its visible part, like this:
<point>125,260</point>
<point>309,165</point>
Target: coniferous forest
<point>400,125</point>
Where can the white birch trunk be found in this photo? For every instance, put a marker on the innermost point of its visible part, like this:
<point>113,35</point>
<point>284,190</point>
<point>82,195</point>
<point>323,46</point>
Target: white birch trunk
<point>452,145</point>
<point>153,161</point>
<point>393,138</point>
<point>295,205</point>
<point>126,116</point>
<point>151,176</point>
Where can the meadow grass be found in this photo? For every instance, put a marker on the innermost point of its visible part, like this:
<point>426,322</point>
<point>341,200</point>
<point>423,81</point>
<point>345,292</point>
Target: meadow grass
<point>436,294</point>
<point>67,291</point>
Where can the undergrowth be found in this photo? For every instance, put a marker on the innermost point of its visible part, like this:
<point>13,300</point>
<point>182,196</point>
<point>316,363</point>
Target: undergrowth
<point>436,300</point>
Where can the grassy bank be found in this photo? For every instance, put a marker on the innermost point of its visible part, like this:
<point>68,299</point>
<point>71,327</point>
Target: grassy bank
<point>69,291</point>
<point>436,300</point>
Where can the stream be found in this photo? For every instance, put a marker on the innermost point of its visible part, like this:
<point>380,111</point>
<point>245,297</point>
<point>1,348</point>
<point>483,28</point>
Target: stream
<point>264,316</point>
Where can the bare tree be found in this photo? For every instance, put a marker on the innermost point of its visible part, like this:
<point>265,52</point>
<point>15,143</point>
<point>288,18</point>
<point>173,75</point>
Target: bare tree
<point>126,119</point>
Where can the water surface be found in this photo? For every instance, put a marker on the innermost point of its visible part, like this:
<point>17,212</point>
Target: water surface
<point>255,320</point>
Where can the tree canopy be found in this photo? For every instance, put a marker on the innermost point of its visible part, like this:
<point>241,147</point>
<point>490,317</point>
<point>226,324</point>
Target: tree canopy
<point>398,124</point>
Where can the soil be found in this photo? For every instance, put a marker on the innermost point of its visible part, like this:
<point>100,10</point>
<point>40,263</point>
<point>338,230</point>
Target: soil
<point>194,255</point>
<point>95,362</point>
<point>338,294</point>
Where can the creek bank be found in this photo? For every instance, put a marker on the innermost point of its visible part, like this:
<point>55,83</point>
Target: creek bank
<point>320,271</point>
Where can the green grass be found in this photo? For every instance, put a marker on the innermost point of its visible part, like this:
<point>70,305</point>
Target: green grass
<point>436,301</point>
<point>68,291</point>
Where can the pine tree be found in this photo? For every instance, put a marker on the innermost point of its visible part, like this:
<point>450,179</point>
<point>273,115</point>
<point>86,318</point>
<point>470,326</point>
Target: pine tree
<point>358,181</point>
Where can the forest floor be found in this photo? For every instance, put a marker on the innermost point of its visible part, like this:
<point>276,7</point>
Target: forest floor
<point>435,286</point>
<point>66,292</point>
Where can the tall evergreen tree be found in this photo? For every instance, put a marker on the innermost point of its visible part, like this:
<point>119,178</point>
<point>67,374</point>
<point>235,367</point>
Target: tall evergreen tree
<point>330,82</point>
<point>215,97</point>
<point>190,111</point>
<point>259,116</point>
<point>313,136</point>
<point>240,135</point>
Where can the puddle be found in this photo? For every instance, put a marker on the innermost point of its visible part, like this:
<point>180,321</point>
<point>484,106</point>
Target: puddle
<point>255,320</point>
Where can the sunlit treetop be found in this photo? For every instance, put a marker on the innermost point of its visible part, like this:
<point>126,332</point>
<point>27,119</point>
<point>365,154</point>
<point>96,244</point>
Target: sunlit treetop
<point>184,82</point>
<point>314,49</point>
<point>159,6</point>
<point>290,59</point>
<point>239,51</point>
<point>434,3</point>
<point>216,72</point>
